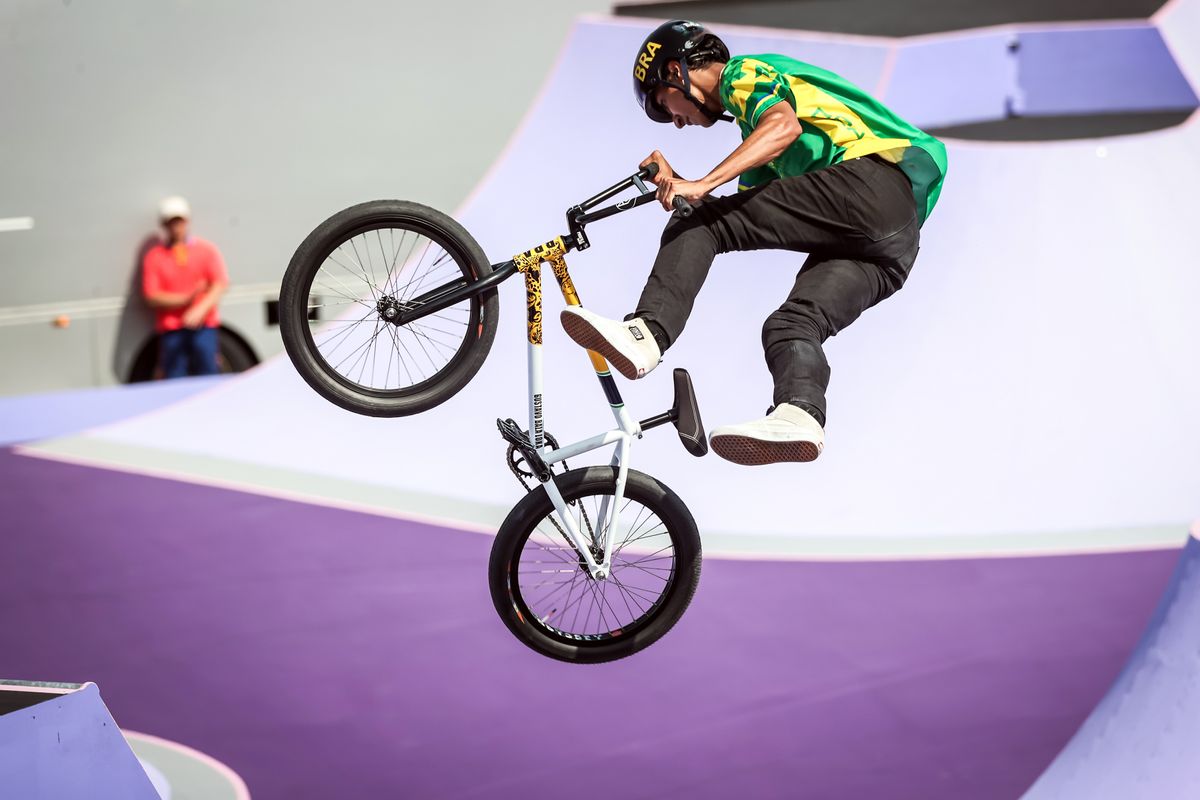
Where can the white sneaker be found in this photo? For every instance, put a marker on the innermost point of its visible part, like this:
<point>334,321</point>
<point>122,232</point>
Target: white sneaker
<point>629,346</point>
<point>788,433</point>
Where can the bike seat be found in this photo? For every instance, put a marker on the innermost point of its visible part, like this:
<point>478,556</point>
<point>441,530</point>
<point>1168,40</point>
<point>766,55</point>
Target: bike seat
<point>685,414</point>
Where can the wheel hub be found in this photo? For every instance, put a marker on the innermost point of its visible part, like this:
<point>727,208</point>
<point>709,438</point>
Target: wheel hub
<point>390,309</point>
<point>598,555</point>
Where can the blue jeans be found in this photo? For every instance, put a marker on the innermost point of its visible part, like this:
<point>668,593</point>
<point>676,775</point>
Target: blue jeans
<point>188,352</point>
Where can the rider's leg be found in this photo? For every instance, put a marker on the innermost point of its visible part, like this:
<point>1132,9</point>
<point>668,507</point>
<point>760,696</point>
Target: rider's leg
<point>828,295</point>
<point>802,213</point>
<point>688,246</point>
<point>861,208</point>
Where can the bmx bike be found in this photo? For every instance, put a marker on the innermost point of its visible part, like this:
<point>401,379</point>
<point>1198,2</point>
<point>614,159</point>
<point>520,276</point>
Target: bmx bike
<point>389,308</point>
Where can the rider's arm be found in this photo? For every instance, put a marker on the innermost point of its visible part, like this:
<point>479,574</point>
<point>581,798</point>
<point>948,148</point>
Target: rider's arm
<point>777,128</point>
<point>664,169</point>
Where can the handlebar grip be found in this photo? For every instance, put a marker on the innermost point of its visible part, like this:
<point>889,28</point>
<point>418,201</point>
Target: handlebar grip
<point>681,205</point>
<point>649,171</point>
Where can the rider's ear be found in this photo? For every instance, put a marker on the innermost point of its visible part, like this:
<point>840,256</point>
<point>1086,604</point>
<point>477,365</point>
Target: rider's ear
<point>674,72</point>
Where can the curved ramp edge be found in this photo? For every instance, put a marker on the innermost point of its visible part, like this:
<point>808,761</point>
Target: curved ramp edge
<point>1140,741</point>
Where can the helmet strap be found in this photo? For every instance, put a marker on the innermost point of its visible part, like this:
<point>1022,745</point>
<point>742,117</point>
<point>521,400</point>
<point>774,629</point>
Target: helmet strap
<point>686,87</point>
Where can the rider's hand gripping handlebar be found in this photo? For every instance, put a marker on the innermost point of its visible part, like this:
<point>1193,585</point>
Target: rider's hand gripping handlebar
<point>586,212</point>
<point>680,204</point>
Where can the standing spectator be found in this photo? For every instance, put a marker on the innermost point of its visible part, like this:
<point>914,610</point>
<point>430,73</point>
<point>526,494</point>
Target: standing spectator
<point>182,279</point>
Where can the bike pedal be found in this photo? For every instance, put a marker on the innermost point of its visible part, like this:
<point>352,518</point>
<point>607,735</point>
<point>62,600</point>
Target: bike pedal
<point>686,415</point>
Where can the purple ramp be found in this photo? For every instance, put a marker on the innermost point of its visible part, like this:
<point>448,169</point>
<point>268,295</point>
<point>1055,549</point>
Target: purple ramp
<point>953,80</point>
<point>1143,739</point>
<point>26,418</point>
<point>58,742</point>
<point>1099,70</point>
<point>328,654</point>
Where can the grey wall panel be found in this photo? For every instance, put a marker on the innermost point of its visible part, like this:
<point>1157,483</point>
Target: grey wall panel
<point>266,115</point>
<point>45,358</point>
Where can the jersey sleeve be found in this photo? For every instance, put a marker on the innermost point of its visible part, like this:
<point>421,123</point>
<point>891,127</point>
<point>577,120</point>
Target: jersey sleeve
<point>750,86</point>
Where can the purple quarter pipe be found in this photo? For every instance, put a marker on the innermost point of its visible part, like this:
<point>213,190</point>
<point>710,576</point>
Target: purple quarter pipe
<point>1142,739</point>
<point>323,653</point>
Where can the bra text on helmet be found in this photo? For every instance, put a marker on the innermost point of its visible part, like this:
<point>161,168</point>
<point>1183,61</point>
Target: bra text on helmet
<point>643,62</point>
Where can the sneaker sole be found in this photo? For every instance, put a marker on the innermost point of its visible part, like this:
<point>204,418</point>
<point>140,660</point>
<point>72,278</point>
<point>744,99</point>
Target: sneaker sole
<point>752,452</point>
<point>585,335</point>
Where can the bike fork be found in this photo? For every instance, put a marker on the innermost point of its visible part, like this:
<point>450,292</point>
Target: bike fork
<point>607,522</point>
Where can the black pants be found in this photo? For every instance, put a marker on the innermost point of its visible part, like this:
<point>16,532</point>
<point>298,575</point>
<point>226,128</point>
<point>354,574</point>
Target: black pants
<point>856,220</point>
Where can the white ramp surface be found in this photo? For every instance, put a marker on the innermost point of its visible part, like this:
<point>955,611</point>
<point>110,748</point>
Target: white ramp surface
<point>1040,372</point>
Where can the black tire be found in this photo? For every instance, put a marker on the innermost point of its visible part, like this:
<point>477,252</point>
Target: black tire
<point>475,324</point>
<point>646,626</point>
<point>233,354</point>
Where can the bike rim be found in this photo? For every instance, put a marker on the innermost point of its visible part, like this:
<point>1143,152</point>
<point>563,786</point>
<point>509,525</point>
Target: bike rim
<point>552,589</point>
<point>373,270</point>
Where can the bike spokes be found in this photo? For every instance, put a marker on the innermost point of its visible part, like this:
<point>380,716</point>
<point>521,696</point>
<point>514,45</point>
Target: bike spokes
<point>557,588</point>
<point>359,292</point>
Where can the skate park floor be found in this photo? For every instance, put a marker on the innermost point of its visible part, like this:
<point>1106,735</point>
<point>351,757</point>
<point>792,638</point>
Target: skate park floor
<point>321,652</point>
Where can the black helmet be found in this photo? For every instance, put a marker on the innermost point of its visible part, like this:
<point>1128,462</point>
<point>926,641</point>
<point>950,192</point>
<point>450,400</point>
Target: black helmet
<point>671,41</point>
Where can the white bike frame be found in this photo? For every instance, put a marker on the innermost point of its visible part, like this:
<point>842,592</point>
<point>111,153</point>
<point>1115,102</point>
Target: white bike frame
<point>621,436</point>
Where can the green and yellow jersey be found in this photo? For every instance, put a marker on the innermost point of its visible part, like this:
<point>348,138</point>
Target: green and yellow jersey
<point>839,122</point>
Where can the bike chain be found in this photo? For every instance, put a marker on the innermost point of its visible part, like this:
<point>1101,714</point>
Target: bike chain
<point>513,458</point>
<point>513,464</point>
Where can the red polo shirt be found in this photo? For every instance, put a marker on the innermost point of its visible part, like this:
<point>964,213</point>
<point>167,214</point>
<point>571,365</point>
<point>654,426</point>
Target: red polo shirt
<point>187,268</point>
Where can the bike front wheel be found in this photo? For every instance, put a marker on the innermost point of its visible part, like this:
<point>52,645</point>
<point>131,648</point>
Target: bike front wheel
<point>542,588</point>
<point>358,271</point>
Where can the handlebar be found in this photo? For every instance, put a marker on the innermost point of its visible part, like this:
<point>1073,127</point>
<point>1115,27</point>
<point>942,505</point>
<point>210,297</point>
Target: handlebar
<point>680,204</point>
<point>586,212</point>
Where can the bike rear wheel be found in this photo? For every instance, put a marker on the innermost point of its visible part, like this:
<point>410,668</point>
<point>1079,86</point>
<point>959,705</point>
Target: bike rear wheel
<point>359,269</point>
<point>545,594</point>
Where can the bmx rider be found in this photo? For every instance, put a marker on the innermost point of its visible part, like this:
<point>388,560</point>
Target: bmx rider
<point>823,169</point>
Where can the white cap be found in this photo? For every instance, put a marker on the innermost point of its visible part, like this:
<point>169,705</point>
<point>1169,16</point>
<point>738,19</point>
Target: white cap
<point>173,207</point>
